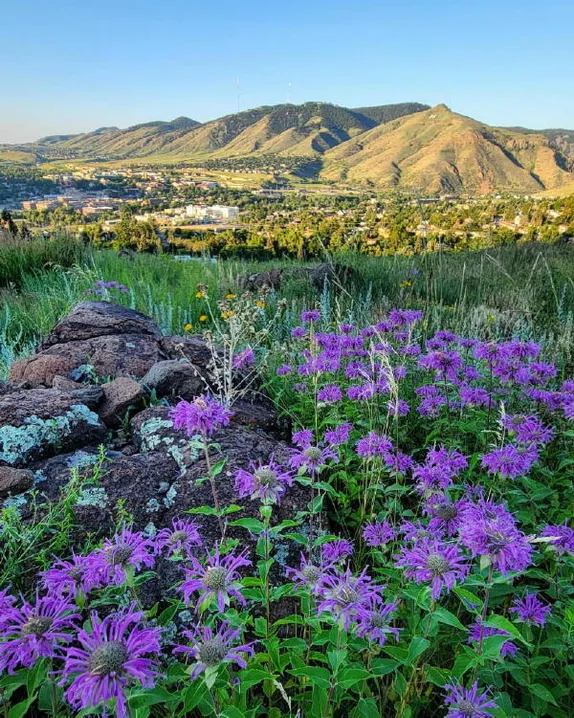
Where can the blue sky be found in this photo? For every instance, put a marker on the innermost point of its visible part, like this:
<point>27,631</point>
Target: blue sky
<point>72,66</point>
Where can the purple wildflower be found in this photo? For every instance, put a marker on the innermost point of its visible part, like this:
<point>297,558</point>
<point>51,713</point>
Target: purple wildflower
<point>434,561</point>
<point>68,578</point>
<point>477,632</point>
<point>298,332</point>
<point>446,364</point>
<point>530,609</point>
<point>244,358</point>
<point>468,702</point>
<point>510,462</point>
<point>284,369</point>
<point>35,631</point>
<point>562,538</point>
<point>6,606</point>
<point>344,594</point>
<point>330,394</point>
<point>309,575</point>
<point>373,445</point>
<point>339,435</point>
<point>311,458</point>
<point>113,655</point>
<point>334,551</point>
<point>267,482</point>
<point>218,580</point>
<point>528,429</point>
<point>447,516</point>
<point>121,555</point>
<point>204,415</point>
<point>310,315</point>
<point>378,534</point>
<point>180,539</point>
<point>211,649</point>
<point>373,621</point>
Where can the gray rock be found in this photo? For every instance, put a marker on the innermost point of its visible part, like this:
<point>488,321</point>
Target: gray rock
<point>174,378</point>
<point>120,395</point>
<point>14,481</point>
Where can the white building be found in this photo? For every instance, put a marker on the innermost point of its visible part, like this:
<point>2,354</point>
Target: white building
<point>215,213</point>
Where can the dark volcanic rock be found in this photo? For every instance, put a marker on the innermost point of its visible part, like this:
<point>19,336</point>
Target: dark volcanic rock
<point>14,481</point>
<point>40,369</point>
<point>193,348</point>
<point>88,394</point>
<point>173,378</point>
<point>270,279</point>
<point>98,319</point>
<point>40,422</point>
<point>120,395</point>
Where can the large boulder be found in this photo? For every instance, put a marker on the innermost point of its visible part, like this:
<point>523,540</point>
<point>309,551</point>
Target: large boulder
<point>40,422</point>
<point>175,378</point>
<point>99,319</point>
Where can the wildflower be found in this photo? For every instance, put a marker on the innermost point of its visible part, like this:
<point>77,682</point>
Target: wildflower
<point>119,557</point>
<point>298,332</point>
<point>447,516</point>
<point>259,303</point>
<point>244,358</point>
<point>562,538</point>
<point>6,606</point>
<point>335,551</point>
<point>113,655</point>
<point>477,632</point>
<point>180,539</point>
<point>230,295</point>
<point>68,578</point>
<point>446,364</point>
<point>528,429</point>
<point>330,394</point>
<point>311,458</point>
<point>308,575</point>
<point>339,435</point>
<point>204,415</point>
<point>187,327</point>
<point>218,580</point>
<point>439,469</point>
<point>373,445</point>
<point>434,561</point>
<point>284,369</point>
<point>203,318</point>
<point>200,295</point>
<point>397,462</point>
<point>405,317</point>
<point>35,631</point>
<point>468,702</point>
<point>530,609</point>
<point>510,462</point>
<point>211,649</point>
<point>373,621</point>
<point>227,315</point>
<point>267,482</point>
<point>378,534</point>
<point>310,315</point>
<point>343,595</point>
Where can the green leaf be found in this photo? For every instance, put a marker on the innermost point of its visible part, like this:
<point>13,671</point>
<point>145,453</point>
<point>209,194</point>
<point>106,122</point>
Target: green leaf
<point>542,692</point>
<point>349,676</point>
<point>366,708</point>
<point>444,616</point>
<point>437,676</point>
<point>503,624</point>
<point>469,600</point>
<point>417,647</point>
<point>336,658</point>
<point>254,526</point>
<point>316,675</point>
<point>383,666</point>
<point>252,677</point>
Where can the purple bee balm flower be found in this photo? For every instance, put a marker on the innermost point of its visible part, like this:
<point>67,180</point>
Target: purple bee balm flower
<point>302,438</point>
<point>113,655</point>
<point>378,534</point>
<point>68,578</point>
<point>488,529</point>
<point>471,396</point>
<point>530,609</point>
<point>446,364</point>
<point>298,332</point>
<point>477,632</point>
<point>468,702</point>
<point>337,550</point>
<point>266,482</point>
<point>179,540</point>
<point>373,445</point>
<point>344,594</point>
<point>511,461</point>
<point>562,538</point>
<point>339,435</point>
<point>204,415</point>
<point>311,458</point>
<point>300,388</point>
<point>346,328</point>
<point>373,622</point>
<point>244,358</point>
<point>121,555</point>
<point>405,317</point>
<point>330,394</point>
<point>447,516</point>
<point>35,631</point>
<point>6,606</point>
<point>217,581</point>
<point>211,649</point>
<point>528,429</point>
<point>398,407</point>
<point>440,467</point>
<point>397,461</point>
<point>309,575</point>
<point>434,561</point>
<point>310,315</point>
<point>283,370</point>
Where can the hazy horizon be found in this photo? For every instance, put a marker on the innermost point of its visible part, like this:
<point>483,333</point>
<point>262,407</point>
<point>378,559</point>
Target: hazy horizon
<point>74,69</point>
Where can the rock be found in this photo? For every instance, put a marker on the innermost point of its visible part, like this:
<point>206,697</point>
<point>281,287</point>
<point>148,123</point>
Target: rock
<point>193,348</point>
<point>174,378</point>
<point>40,369</point>
<point>41,422</point>
<point>98,319</point>
<point>88,394</point>
<point>120,395</point>
<point>14,481</point>
<point>271,279</point>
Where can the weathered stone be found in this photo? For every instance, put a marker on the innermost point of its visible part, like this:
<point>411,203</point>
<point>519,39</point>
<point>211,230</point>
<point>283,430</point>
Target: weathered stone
<point>14,481</point>
<point>98,319</point>
<point>88,394</point>
<point>120,395</point>
<point>193,348</point>
<point>40,422</point>
<point>40,369</point>
<point>174,378</point>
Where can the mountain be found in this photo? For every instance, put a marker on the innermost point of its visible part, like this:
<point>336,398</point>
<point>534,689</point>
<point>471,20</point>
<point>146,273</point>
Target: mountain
<point>438,150</point>
<point>562,140</point>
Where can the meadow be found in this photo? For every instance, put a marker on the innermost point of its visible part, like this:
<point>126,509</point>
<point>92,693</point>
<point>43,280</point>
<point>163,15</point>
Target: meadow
<point>430,403</point>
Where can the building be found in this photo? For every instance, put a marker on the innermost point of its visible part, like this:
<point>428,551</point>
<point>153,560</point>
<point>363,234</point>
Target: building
<point>214,213</point>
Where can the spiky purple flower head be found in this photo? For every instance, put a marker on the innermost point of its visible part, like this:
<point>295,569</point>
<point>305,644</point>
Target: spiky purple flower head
<point>446,515</point>
<point>113,655</point>
<point>343,594</point>
<point>373,621</point>
<point>378,534</point>
<point>204,415</point>
<point>310,458</point>
<point>335,551</point>
<point>217,580</point>
<point>244,358</point>
<point>266,482</point>
<point>284,369</point>
<point>34,631</point>
<point>528,429</point>
<point>211,649</point>
<point>510,461</point>
<point>310,315</point>
<point>330,394</point>
<point>436,562</point>
<point>125,553</point>
<point>339,435</point>
<point>468,702</point>
<point>7,603</point>
<point>373,445</point>
<point>531,609</point>
<point>179,540</point>
<point>309,575</point>
<point>69,578</point>
<point>562,538</point>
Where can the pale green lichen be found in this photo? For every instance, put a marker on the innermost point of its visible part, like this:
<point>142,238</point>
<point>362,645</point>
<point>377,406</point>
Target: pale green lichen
<point>81,459</point>
<point>20,443</point>
<point>93,496</point>
<point>85,373</point>
<point>150,530</point>
<point>152,506</point>
<point>169,498</point>
<point>151,440</point>
<point>15,502</point>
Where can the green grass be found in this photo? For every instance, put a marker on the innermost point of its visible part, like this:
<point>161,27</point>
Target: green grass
<point>525,291</point>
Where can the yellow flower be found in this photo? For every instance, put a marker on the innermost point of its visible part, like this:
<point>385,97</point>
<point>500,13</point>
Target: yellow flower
<point>203,318</point>
<point>406,283</point>
<point>230,296</point>
<point>200,295</point>
<point>227,315</point>
<point>187,327</point>
<point>260,304</point>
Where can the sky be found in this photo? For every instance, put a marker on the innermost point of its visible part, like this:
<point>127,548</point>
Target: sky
<point>71,67</point>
